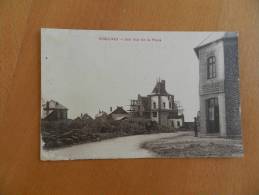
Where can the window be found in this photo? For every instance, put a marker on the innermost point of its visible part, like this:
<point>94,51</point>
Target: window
<point>64,115</point>
<point>154,105</point>
<point>170,105</point>
<point>154,114</point>
<point>211,67</point>
<point>164,104</point>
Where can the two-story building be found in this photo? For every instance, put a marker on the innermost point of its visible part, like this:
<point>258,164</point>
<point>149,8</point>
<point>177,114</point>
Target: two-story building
<point>158,106</point>
<point>219,85</point>
<point>53,111</point>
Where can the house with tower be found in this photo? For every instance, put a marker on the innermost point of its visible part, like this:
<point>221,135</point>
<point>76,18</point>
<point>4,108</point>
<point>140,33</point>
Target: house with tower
<point>159,106</point>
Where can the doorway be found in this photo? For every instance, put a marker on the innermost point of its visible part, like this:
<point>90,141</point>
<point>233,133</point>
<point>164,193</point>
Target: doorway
<point>212,115</point>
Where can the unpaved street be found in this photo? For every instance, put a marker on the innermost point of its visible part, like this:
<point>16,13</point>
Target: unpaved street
<point>122,147</point>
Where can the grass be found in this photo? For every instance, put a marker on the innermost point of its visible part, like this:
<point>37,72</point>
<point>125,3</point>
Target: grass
<point>189,146</point>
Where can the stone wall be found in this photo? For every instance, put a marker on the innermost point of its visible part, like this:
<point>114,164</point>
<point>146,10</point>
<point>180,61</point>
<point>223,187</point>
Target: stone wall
<point>210,88</point>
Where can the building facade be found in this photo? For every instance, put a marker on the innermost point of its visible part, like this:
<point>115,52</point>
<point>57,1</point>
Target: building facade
<point>118,114</point>
<point>219,86</point>
<point>158,106</point>
<point>54,111</point>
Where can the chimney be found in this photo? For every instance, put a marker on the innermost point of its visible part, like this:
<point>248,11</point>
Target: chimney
<point>47,105</point>
<point>110,109</point>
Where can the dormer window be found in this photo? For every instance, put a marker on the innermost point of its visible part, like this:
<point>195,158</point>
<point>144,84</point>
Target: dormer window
<point>211,67</point>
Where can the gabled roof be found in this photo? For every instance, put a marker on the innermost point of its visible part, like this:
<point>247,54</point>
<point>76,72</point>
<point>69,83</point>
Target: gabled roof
<point>86,117</point>
<point>101,114</point>
<point>119,110</point>
<point>53,105</point>
<point>214,37</point>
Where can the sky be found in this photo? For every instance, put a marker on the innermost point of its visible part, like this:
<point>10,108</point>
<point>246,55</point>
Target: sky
<point>88,71</point>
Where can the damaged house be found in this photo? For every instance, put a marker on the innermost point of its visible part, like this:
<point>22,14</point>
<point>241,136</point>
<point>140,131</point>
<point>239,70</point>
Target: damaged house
<point>54,111</point>
<point>118,114</point>
<point>159,106</point>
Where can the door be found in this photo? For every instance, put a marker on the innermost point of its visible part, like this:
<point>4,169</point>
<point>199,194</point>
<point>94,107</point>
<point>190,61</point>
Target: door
<point>212,115</point>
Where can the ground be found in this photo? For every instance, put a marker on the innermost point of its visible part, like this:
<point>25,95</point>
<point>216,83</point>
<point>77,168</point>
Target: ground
<point>186,145</point>
<point>121,147</point>
<point>177,144</point>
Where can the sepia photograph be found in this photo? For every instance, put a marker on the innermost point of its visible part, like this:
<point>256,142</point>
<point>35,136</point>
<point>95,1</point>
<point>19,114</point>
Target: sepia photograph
<point>139,94</point>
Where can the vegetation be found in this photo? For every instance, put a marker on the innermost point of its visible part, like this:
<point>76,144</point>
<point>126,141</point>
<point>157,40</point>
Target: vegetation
<point>68,132</point>
<point>186,145</point>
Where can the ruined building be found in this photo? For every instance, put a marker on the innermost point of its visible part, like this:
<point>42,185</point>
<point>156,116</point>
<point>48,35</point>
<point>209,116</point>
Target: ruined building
<point>54,111</point>
<point>158,106</point>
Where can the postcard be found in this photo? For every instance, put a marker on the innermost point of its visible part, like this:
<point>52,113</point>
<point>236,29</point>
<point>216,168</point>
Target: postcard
<point>139,94</point>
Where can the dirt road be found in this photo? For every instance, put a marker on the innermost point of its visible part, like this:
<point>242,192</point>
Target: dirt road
<point>122,147</point>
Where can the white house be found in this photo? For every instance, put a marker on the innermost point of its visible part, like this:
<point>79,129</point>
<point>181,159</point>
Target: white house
<point>219,85</point>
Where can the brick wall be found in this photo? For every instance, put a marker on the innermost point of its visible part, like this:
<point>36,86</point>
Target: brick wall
<point>232,91</point>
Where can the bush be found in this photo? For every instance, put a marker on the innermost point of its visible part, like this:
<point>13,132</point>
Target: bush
<point>68,132</point>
